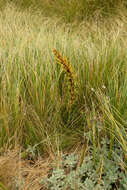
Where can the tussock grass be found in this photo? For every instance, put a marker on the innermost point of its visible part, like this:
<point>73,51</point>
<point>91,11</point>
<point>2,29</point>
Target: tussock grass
<point>72,10</point>
<point>31,110</point>
<point>30,103</point>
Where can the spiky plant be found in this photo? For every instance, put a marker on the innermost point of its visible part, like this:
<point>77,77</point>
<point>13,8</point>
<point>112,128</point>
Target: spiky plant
<point>63,61</point>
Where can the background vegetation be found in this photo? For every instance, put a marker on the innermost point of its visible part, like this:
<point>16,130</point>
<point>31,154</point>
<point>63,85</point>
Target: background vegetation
<point>71,10</point>
<point>35,110</point>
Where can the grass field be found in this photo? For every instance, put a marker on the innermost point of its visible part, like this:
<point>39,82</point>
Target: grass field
<point>47,110</point>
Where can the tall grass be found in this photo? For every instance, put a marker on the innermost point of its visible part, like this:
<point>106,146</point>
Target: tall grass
<point>71,10</point>
<point>31,110</point>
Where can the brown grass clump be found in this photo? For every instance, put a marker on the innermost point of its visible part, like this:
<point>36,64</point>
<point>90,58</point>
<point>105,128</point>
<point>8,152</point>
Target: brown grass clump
<point>26,174</point>
<point>68,70</point>
<point>16,172</point>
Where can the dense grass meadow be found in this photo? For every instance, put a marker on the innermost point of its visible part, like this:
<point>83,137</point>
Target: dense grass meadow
<point>63,91</point>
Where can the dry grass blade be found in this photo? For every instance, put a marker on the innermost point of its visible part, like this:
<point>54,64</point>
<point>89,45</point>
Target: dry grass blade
<point>16,172</point>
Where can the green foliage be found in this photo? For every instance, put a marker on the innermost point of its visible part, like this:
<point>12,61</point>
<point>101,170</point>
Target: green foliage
<point>105,175</point>
<point>2,186</point>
